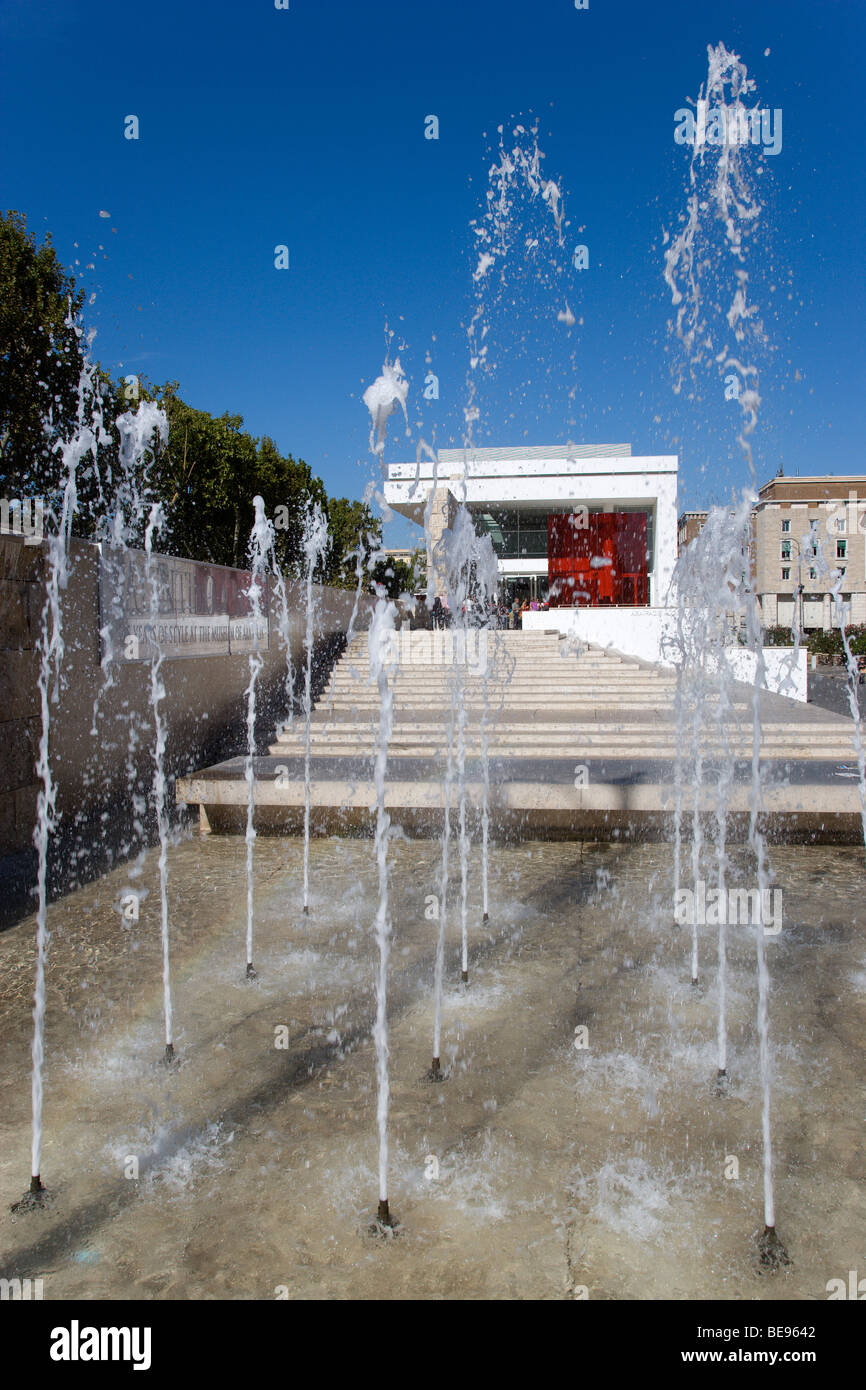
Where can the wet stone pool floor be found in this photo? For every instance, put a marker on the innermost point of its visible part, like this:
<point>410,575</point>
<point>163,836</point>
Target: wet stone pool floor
<point>577,1147</point>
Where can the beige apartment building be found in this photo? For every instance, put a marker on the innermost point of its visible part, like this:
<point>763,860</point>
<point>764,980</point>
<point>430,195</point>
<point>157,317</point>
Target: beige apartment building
<point>805,531</point>
<point>690,525</point>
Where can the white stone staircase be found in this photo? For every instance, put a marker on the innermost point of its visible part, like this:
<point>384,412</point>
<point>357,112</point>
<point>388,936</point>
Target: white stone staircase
<point>544,698</point>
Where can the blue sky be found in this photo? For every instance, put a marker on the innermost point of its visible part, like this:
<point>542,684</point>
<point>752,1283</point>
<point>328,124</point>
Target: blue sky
<point>305,127</point>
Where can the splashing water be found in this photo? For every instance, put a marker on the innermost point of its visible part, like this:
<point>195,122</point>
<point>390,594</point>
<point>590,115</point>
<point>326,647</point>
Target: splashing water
<point>721,195</point>
<point>459,549</point>
<point>383,657</point>
<point>439,960</point>
<point>51,653</point>
<point>121,521</point>
<point>521,229</point>
<point>711,597</point>
<point>382,398</point>
<point>155,524</point>
<point>758,844</point>
<point>284,629</point>
<point>260,549</point>
<point>472,576</point>
<point>381,672</point>
<point>315,546</point>
<point>360,555</point>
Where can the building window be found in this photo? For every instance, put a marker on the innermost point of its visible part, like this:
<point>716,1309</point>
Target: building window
<point>786,573</point>
<point>840,523</point>
<point>786,526</point>
<point>786,550</point>
<point>841,550</point>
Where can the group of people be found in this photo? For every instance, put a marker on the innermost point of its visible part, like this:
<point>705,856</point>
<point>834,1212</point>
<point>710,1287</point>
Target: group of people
<point>513,617</point>
<point>508,616</point>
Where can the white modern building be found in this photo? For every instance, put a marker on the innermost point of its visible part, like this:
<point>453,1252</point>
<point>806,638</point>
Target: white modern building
<point>512,494</point>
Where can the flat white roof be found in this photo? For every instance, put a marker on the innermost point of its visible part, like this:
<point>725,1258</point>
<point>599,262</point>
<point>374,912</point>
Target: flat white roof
<point>454,465</point>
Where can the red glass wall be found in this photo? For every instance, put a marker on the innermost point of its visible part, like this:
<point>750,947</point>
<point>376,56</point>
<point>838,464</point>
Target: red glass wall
<point>597,560</point>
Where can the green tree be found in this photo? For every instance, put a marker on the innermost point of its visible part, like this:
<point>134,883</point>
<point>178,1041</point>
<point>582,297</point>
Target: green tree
<point>350,524</point>
<point>396,576</point>
<point>41,359</point>
<point>286,486</point>
<point>206,476</point>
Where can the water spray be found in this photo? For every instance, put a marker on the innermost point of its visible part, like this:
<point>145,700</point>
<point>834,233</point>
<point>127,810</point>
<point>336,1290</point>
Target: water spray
<point>381,399</point>
<point>315,546</point>
<point>260,547</point>
<point>155,524</point>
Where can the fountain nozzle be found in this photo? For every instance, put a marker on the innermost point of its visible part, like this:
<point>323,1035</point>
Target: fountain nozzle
<point>772,1252</point>
<point>436,1073</point>
<point>385,1225</point>
<point>169,1054</point>
<point>464,975</point>
<point>486,917</point>
<point>251,974</point>
<point>306,910</point>
<point>35,1197</point>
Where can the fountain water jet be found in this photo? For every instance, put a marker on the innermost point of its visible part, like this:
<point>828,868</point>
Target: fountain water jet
<point>381,671</point>
<point>485,792</point>
<point>51,651</point>
<point>260,547</point>
<point>773,1254</point>
<point>435,1073</point>
<point>86,440</point>
<point>381,399</point>
<point>315,546</point>
<point>721,196</point>
<point>711,596</point>
<point>155,524</point>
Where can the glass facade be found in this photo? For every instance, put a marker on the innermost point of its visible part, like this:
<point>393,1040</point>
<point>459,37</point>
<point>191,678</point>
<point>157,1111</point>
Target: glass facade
<point>522,534</point>
<point>598,559</point>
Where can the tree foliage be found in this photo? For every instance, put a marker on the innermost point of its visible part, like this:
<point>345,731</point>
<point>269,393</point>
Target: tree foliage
<point>205,476</point>
<point>396,576</point>
<point>350,525</point>
<point>41,359</point>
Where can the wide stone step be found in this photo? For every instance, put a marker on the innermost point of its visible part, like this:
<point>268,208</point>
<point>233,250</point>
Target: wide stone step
<point>474,670</point>
<point>836,728</point>
<point>626,754</point>
<point>510,653</point>
<point>474,686</point>
<point>414,658</point>
<point>555,704</point>
<point>589,733</point>
<point>534,734</point>
<point>627,744</point>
